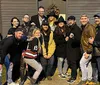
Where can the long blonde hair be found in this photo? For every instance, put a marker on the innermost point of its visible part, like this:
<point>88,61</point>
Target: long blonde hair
<point>35,31</point>
<point>39,43</point>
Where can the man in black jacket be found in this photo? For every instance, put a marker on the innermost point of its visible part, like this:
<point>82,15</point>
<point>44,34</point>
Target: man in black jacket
<point>96,43</point>
<point>37,19</point>
<point>14,46</point>
<point>73,47</point>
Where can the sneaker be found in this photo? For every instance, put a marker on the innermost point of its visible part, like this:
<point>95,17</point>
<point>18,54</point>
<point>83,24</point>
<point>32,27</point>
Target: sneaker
<point>71,80</point>
<point>49,78</point>
<point>21,82</point>
<point>43,79</point>
<point>82,83</point>
<point>16,84</point>
<point>62,76</point>
<point>90,82</point>
<point>65,75</point>
<point>11,83</point>
<point>27,82</point>
<point>68,75</point>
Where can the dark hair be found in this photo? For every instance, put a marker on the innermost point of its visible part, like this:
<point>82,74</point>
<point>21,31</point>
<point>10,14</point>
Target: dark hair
<point>13,19</point>
<point>59,32</point>
<point>41,7</point>
<point>47,32</point>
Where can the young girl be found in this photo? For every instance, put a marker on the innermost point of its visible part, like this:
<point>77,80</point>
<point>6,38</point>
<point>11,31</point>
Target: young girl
<point>15,23</point>
<point>34,46</point>
<point>60,52</point>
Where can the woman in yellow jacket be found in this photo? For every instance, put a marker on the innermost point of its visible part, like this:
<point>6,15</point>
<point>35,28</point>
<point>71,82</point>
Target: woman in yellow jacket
<point>48,47</point>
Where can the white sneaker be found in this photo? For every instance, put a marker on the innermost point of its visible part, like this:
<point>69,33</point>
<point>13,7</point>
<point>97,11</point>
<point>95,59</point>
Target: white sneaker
<point>11,83</point>
<point>16,84</point>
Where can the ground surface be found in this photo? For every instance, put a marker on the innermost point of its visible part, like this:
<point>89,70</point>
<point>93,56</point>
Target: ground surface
<point>56,80</point>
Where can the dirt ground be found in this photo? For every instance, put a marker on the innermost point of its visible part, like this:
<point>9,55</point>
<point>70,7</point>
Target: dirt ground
<point>56,80</point>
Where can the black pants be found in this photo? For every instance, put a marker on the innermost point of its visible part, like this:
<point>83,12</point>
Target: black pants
<point>16,72</point>
<point>73,66</point>
<point>54,66</point>
<point>98,67</point>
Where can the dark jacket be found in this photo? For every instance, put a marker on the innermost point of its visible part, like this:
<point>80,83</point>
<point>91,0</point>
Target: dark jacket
<point>1,37</point>
<point>96,44</point>
<point>73,44</point>
<point>35,19</point>
<point>26,28</point>
<point>12,46</point>
<point>11,31</point>
<point>60,43</point>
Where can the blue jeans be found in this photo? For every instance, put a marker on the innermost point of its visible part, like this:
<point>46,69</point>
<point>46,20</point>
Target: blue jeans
<point>47,65</point>
<point>62,65</point>
<point>6,63</point>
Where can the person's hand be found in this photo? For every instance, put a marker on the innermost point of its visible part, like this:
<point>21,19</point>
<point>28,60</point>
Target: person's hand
<point>45,56</point>
<point>33,24</point>
<point>23,54</point>
<point>71,35</point>
<point>27,67</point>
<point>31,38</point>
<point>67,38</point>
<point>0,66</point>
<point>9,35</point>
<point>86,55</point>
<point>90,40</point>
<point>48,57</point>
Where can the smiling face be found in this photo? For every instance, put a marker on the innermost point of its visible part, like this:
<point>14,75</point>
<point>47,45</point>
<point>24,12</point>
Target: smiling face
<point>37,33</point>
<point>97,20</point>
<point>26,18</point>
<point>71,22</point>
<point>45,27</point>
<point>84,20</point>
<point>61,24</point>
<point>51,18</point>
<point>15,22</point>
<point>41,12</point>
<point>18,34</point>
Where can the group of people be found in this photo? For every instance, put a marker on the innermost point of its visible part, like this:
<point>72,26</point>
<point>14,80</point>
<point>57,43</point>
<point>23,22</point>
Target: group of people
<point>34,49</point>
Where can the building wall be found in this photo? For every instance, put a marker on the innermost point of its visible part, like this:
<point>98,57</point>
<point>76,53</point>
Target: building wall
<point>0,19</point>
<point>75,7</point>
<point>59,3</point>
<point>79,7</point>
<point>11,8</point>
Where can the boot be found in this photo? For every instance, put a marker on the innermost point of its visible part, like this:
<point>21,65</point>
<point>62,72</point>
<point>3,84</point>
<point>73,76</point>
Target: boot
<point>32,81</point>
<point>27,82</point>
